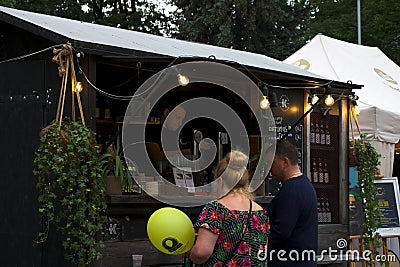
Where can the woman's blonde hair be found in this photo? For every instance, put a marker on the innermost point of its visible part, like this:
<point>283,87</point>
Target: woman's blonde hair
<point>233,172</point>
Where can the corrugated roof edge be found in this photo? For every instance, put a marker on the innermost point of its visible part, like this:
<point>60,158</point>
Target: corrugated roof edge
<point>97,37</point>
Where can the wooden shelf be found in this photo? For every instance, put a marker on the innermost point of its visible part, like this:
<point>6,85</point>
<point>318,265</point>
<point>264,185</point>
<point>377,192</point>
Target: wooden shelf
<point>139,122</point>
<point>112,122</point>
<point>324,186</point>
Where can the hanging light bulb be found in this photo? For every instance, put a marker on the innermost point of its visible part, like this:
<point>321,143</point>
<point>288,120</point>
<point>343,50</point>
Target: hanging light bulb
<point>314,99</point>
<point>329,101</point>
<point>78,87</point>
<point>183,80</point>
<point>309,101</point>
<point>264,103</point>
<point>356,108</point>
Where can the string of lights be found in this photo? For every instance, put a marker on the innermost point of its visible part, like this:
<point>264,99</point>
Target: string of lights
<point>183,80</point>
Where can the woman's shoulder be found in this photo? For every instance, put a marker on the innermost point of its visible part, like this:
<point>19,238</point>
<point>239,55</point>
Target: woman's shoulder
<point>257,207</point>
<point>215,205</point>
<point>237,205</point>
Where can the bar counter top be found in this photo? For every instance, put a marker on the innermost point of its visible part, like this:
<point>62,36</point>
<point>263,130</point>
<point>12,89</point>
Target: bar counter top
<point>144,204</point>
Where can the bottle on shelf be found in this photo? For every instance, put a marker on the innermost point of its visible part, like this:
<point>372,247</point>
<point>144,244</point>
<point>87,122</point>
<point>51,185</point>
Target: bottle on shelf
<point>320,171</point>
<point>322,133</point>
<point>319,210</point>
<point>107,111</point>
<point>317,134</point>
<point>328,211</point>
<point>312,132</point>
<point>326,172</point>
<point>323,210</point>
<point>314,171</point>
<point>327,135</point>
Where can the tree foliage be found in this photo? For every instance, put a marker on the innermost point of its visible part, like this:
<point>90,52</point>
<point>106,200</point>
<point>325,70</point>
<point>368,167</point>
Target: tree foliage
<point>380,23</point>
<point>139,15</point>
<point>270,27</point>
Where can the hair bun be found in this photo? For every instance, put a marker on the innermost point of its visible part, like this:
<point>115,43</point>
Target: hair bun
<point>237,160</point>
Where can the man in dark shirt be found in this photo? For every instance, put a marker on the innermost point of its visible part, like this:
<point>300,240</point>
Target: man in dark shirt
<point>293,239</point>
<point>171,123</point>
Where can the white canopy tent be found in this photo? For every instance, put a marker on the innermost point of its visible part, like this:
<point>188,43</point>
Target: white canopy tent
<point>379,100</point>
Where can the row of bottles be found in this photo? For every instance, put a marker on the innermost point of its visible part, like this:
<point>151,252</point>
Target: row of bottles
<point>324,211</point>
<point>103,109</point>
<point>320,171</point>
<point>319,132</point>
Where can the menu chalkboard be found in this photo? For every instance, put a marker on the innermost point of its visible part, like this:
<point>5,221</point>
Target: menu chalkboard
<point>387,195</point>
<point>289,110</point>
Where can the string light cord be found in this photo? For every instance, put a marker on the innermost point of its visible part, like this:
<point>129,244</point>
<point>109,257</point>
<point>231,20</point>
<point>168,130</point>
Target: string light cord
<point>32,54</point>
<point>259,81</point>
<point>140,96</point>
<point>119,97</point>
<point>271,85</point>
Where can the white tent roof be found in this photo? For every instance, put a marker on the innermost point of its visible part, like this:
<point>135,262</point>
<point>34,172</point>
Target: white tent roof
<point>157,45</point>
<point>343,61</point>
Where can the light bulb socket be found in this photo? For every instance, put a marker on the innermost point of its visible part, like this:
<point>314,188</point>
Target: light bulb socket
<point>273,99</point>
<point>264,89</point>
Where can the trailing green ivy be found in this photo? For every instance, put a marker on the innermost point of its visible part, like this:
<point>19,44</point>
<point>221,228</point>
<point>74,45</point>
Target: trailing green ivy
<point>70,180</point>
<point>368,160</point>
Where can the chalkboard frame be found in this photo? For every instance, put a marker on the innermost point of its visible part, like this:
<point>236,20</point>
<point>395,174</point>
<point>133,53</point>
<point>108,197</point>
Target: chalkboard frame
<point>394,184</point>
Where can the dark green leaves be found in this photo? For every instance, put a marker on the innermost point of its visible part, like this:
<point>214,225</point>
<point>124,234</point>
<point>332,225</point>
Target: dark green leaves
<point>69,173</point>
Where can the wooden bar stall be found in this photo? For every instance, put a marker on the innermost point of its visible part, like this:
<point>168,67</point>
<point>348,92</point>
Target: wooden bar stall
<point>111,70</point>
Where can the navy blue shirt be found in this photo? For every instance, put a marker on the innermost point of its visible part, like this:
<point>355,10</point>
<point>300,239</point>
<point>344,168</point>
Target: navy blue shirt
<point>293,224</point>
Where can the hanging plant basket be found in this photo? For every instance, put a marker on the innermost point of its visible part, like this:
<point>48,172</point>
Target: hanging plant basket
<point>71,186</point>
<point>69,172</point>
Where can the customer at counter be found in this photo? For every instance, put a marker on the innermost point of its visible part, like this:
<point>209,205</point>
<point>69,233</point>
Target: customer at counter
<point>293,238</point>
<point>232,230</point>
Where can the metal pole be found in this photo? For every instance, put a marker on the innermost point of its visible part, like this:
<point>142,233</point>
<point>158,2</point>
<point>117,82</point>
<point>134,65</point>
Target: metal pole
<point>359,21</point>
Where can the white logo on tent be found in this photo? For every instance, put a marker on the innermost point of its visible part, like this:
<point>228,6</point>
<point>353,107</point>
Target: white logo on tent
<point>387,78</point>
<point>302,63</point>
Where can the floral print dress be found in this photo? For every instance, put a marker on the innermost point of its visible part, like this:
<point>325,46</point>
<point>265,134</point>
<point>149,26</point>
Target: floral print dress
<point>229,226</point>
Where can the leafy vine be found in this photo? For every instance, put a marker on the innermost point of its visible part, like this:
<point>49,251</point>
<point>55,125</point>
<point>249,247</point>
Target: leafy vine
<point>368,160</point>
<point>69,172</point>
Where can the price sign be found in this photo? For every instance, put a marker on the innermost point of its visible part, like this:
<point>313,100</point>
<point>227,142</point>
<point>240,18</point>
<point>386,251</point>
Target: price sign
<point>387,195</point>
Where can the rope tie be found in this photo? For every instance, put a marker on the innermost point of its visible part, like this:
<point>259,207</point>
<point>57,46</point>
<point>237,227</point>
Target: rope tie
<point>64,58</point>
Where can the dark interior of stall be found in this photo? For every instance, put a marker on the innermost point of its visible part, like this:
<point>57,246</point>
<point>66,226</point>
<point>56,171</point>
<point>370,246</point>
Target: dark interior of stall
<point>121,81</point>
<point>124,79</point>
<point>129,212</point>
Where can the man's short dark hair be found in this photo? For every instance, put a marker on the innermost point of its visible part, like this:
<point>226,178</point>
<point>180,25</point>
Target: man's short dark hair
<point>284,148</point>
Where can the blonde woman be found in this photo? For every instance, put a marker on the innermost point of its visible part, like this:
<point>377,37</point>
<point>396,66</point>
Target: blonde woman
<point>232,230</point>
